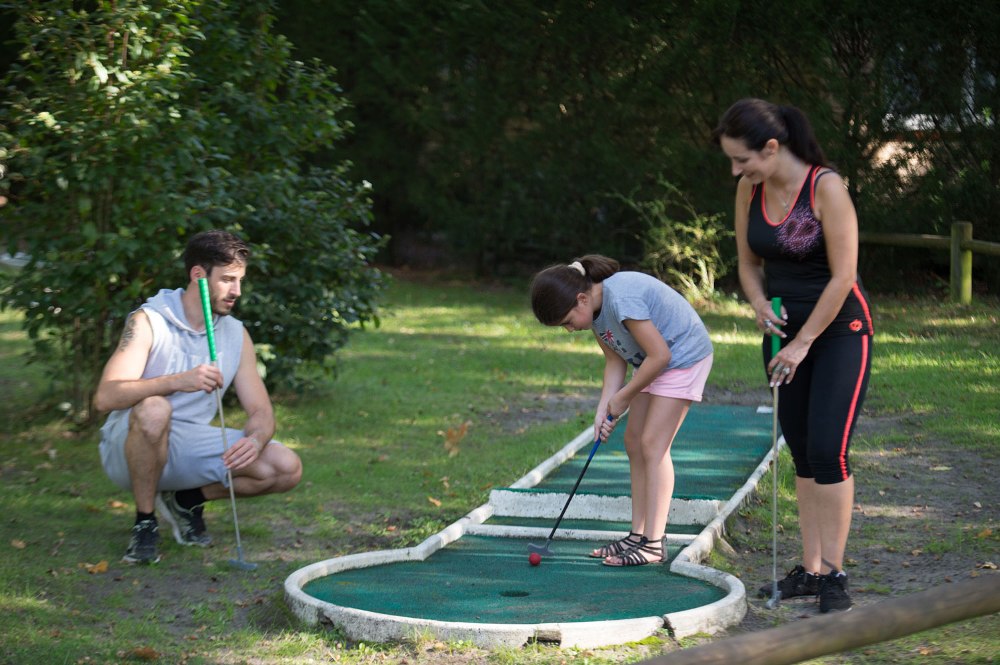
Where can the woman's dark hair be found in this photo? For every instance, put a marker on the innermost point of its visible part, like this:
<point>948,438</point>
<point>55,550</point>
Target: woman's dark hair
<point>214,248</point>
<point>554,289</point>
<point>756,121</point>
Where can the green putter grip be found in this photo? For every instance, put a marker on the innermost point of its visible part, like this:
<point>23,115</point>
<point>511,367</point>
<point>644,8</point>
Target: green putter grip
<point>206,308</point>
<point>775,340</point>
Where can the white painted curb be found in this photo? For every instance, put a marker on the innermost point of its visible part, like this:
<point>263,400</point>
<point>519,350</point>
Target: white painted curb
<point>542,533</point>
<point>359,624</point>
<point>595,507</point>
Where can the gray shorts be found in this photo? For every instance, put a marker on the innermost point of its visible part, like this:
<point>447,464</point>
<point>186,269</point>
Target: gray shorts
<point>195,453</point>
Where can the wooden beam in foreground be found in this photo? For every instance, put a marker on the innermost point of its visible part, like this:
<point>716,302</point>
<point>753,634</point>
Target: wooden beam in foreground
<point>842,631</point>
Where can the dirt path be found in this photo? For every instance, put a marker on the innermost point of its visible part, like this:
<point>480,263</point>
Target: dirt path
<point>926,514</point>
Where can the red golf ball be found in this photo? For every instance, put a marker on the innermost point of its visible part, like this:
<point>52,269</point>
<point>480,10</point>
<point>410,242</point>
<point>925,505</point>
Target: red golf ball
<point>534,558</point>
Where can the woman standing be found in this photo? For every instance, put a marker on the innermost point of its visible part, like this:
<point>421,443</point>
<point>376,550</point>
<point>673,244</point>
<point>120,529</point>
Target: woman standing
<point>797,238</point>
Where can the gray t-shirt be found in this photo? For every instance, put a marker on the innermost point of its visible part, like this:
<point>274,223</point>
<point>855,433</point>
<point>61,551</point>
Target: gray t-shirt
<point>640,297</point>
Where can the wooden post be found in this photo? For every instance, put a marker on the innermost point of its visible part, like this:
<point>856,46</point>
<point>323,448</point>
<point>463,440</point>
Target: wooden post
<point>961,263</point>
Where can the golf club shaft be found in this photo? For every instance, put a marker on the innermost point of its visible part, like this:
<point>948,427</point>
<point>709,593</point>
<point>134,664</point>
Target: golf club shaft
<point>570,498</point>
<point>774,498</point>
<point>206,308</point>
<point>593,450</point>
<point>229,474</point>
<point>775,347</point>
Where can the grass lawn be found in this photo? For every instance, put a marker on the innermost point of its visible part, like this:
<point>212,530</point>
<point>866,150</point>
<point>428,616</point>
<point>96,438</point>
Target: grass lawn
<point>457,391</point>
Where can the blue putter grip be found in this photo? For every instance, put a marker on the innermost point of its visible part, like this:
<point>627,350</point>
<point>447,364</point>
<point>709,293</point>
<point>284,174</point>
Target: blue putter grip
<point>775,340</point>
<point>206,309</point>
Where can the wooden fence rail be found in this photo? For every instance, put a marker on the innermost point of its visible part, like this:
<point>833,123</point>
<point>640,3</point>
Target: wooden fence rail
<point>960,245</point>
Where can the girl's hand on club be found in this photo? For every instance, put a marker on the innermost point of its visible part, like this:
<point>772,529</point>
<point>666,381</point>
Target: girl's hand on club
<point>241,454</point>
<point>605,423</point>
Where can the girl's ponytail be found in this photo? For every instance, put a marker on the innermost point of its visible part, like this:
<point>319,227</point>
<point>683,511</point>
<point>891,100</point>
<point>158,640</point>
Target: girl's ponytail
<point>554,289</point>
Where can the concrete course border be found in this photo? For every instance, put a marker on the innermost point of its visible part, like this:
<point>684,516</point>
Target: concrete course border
<point>360,624</point>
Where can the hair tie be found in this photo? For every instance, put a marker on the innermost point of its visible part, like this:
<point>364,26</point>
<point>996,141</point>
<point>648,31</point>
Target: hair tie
<point>576,265</point>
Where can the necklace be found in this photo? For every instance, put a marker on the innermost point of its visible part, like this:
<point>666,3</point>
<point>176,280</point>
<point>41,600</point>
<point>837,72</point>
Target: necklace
<point>784,202</point>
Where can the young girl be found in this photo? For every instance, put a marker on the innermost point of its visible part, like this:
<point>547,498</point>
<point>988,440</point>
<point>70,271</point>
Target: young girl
<point>639,321</point>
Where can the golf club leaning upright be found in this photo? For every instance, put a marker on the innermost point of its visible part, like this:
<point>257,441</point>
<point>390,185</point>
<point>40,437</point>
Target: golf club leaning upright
<point>210,333</point>
<point>775,591</point>
<point>544,549</point>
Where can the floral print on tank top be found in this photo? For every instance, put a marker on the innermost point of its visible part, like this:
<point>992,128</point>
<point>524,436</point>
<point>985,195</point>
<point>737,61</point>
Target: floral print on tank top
<point>801,232</point>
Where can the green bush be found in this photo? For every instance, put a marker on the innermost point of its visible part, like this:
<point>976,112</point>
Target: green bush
<point>130,126</point>
<point>680,245</point>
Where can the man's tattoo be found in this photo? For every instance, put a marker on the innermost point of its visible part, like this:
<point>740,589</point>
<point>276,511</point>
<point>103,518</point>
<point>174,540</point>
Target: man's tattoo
<point>128,334</point>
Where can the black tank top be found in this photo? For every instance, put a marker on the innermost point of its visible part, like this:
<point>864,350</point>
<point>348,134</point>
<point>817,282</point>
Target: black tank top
<point>796,266</point>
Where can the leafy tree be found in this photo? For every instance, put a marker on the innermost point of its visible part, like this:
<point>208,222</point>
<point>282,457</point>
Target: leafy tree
<point>501,128</point>
<point>132,125</point>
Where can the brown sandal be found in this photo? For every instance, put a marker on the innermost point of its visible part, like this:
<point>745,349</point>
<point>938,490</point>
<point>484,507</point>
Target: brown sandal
<point>636,556</point>
<point>617,547</point>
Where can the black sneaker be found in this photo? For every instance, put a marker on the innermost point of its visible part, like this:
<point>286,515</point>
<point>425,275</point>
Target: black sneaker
<point>797,583</point>
<point>142,547</point>
<point>833,593</point>
<point>188,525</point>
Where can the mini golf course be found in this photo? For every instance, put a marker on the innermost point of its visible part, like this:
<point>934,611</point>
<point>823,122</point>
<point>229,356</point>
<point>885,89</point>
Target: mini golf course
<point>473,581</point>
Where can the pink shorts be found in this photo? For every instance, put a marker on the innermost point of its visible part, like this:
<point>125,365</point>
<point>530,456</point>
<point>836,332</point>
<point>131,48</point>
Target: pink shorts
<point>687,383</point>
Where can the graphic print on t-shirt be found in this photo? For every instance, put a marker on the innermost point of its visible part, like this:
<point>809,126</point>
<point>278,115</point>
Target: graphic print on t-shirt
<point>609,338</point>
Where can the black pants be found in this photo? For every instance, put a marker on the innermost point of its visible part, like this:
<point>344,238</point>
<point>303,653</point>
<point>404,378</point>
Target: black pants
<point>819,408</point>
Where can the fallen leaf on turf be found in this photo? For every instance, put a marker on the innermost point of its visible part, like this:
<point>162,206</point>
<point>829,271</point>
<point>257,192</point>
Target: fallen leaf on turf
<point>453,437</point>
<point>985,533</point>
<point>989,565</point>
<point>144,653</point>
<point>437,504</point>
<point>18,544</point>
<point>116,504</point>
<point>977,504</point>
<point>96,568</point>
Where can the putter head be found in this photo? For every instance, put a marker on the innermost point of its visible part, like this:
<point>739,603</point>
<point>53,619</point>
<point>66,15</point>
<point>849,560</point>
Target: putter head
<point>541,549</point>
<point>242,565</point>
<point>774,600</point>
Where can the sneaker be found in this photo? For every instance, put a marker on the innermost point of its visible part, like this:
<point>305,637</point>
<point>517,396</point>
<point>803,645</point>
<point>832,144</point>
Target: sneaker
<point>833,593</point>
<point>188,525</point>
<point>142,547</point>
<point>797,583</point>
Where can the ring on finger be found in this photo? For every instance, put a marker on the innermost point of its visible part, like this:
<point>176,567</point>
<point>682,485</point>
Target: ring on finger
<point>767,323</point>
<point>786,370</point>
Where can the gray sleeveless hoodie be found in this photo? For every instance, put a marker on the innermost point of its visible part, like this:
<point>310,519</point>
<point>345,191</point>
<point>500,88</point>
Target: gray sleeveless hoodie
<point>177,347</point>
